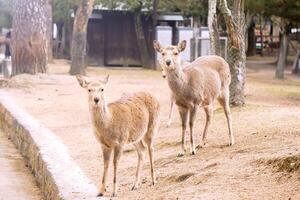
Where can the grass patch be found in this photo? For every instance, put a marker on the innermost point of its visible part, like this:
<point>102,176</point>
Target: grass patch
<point>283,90</point>
<point>285,164</point>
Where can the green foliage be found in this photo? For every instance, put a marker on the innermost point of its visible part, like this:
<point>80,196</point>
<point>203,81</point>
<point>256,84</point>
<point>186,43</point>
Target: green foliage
<point>288,9</point>
<point>186,7</point>
<point>62,10</point>
<point>5,13</point>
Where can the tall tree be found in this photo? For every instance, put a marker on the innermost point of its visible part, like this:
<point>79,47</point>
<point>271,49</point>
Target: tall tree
<point>235,23</point>
<point>78,49</point>
<point>29,37</point>
<point>213,27</point>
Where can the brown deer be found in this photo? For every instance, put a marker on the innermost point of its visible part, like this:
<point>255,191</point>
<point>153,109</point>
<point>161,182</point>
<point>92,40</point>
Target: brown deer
<point>199,84</point>
<point>129,120</point>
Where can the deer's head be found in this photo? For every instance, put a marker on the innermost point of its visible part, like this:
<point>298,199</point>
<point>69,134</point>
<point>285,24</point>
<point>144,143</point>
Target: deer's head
<point>170,55</point>
<point>95,89</point>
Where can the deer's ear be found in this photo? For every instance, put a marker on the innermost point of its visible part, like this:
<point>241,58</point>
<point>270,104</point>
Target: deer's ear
<point>106,79</point>
<point>82,81</point>
<point>182,45</point>
<point>157,46</point>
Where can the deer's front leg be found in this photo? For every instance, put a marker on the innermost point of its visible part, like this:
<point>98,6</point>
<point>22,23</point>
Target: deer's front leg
<point>106,158</point>
<point>184,117</point>
<point>193,113</point>
<point>118,150</point>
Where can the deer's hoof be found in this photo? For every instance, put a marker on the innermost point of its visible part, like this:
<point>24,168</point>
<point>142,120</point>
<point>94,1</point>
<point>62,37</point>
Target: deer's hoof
<point>135,187</point>
<point>180,154</point>
<point>99,194</point>
<point>193,152</point>
<point>114,194</point>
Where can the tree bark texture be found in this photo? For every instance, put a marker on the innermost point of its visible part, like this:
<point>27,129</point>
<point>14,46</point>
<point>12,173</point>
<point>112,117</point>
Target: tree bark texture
<point>283,49</point>
<point>236,30</point>
<point>78,47</point>
<point>29,37</point>
<point>213,28</point>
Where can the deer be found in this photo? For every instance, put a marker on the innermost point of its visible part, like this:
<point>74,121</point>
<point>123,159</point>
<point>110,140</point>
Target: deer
<point>205,80</point>
<point>133,119</point>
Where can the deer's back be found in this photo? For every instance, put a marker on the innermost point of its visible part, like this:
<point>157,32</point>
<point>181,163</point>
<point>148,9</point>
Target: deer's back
<point>132,115</point>
<point>216,63</point>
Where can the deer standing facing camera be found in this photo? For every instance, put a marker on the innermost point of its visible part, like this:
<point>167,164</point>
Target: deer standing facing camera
<point>132,119</point>
<point>199,84</point>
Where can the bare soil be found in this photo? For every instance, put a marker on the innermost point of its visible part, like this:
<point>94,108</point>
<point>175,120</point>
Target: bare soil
<point>267,128</point>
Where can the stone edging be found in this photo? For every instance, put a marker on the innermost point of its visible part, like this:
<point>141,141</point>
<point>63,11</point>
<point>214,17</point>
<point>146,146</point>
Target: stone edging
<point>55,171</point>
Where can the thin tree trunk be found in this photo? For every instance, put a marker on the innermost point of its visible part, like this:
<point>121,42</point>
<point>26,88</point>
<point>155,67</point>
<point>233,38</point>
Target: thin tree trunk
<point>142,44</point>
<point>213,28</point>
<point>49,31</point>
<point>251,50</point>
<point>78,48</point>
<point>29,37</point>
<point>296,64</point>
<point>236,49</point>
<point>261,35</point>
<point>282,53</point>
<point>154,23</point>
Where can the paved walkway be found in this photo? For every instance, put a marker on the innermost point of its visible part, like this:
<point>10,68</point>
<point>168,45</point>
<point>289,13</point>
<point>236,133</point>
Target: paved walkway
<point>16,181</point>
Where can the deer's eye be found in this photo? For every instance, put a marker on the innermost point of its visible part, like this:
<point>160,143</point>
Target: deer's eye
<point>89,90</point>
<point>163,54</point>
<point>102,89</point>
<point>175,53</point>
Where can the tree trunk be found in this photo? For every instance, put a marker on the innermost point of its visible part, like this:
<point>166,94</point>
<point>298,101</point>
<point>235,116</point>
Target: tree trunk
<point>153,29</point>
<point>282,53</point>
<point>236,49</point>
<point>49,31</point>
<point>29,37</point>
<point>251,40</point>
<point>296,64</point>
<point>213,28</point>
<point>78,47</point>
<point>141,41</point>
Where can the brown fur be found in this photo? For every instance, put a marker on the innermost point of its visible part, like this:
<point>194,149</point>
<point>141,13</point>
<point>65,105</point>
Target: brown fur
<point>198,84</point>
<point>131,119</point>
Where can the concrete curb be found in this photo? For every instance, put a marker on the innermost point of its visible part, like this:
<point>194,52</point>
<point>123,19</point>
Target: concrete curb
<point>55,171</point>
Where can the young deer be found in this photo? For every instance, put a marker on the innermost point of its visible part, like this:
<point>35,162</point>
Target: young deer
<point>132,119</point>
<point>200,84</point>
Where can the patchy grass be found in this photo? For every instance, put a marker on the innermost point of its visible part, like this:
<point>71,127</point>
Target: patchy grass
<point>180,178</point>
<point>285,164</point>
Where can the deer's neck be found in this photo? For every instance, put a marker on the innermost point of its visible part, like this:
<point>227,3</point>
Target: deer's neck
<point>101,115</point>
<point>177,80</point>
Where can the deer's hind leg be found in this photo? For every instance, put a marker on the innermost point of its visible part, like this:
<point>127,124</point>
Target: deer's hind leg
<point>224,101</point>
<point>209,113</point>
<point>148,140</point>
<point>141,154</point>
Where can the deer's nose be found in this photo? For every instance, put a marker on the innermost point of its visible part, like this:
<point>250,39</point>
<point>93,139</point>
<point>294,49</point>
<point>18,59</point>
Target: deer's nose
<point>168,62</point>
<point>96,100</point>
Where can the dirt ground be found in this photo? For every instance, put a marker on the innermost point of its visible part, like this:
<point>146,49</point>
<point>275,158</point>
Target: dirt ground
<point>16,181</point>
<point>267,127</point>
